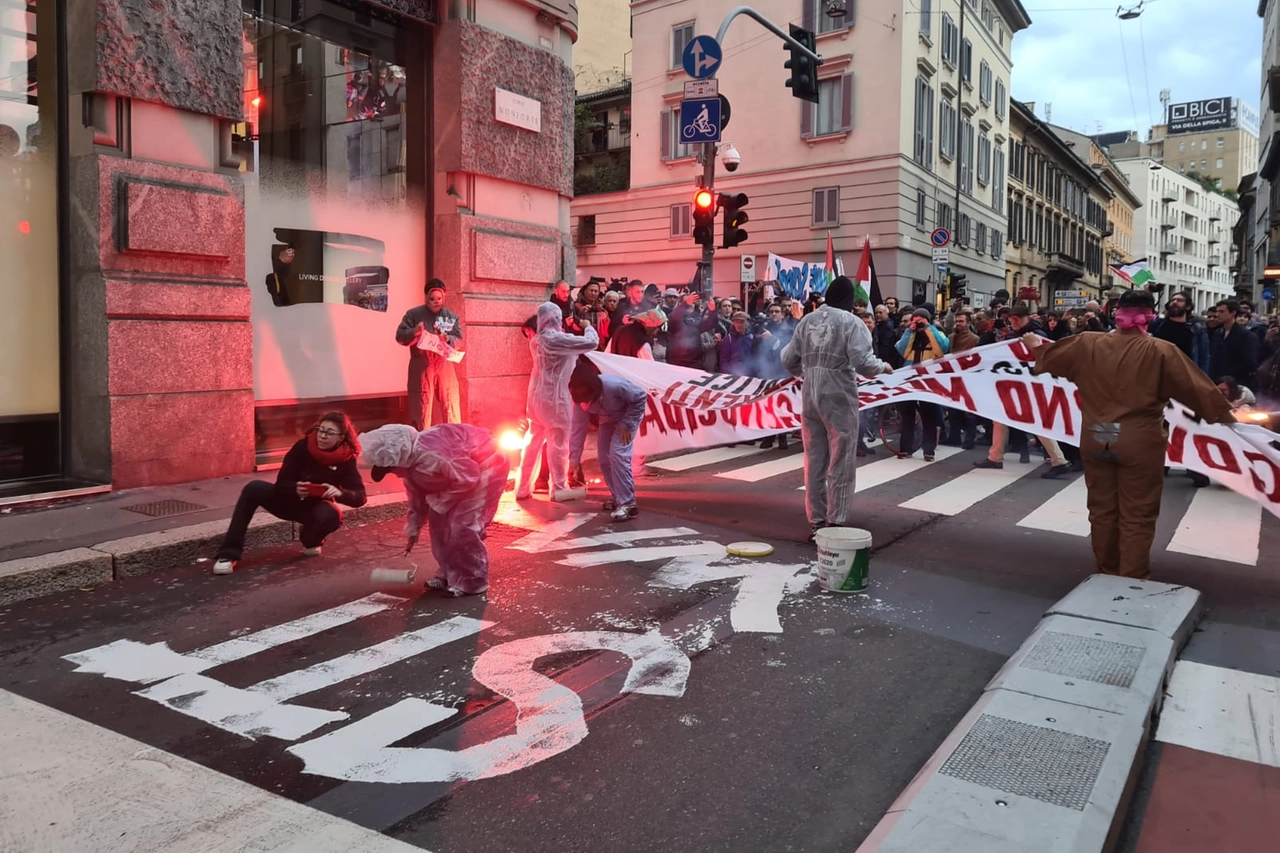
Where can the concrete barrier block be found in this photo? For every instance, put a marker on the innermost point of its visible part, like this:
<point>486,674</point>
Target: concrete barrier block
<point>379,508</point>
<point>62,570</point>
<point>1100,665</point>
<point>182,546</point>
<point>1161,607</point>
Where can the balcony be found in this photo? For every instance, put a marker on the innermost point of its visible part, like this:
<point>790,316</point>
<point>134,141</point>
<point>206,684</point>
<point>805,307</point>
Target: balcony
<point>1061,262</point>
<point>1169,248</point>
<point>1169,194</point>
<point>1216,216</point>
<point>1108,229</point>
<point>1167,222</point>
<point>1215,238</point>
<point>603,140</point>
<point>1214,260</point>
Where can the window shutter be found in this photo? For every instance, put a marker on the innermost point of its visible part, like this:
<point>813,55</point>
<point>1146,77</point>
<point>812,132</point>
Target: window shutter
<point>664,134</point>
<point>833,206</point>
<point>807,16</point>
<point>806,120</point>
<point>846,106</point>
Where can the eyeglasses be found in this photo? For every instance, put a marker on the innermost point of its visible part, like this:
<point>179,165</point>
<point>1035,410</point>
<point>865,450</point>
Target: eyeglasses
<point>328,433</point>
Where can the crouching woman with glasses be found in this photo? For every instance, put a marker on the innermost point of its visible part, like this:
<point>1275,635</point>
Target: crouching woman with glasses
<point>319,470</point>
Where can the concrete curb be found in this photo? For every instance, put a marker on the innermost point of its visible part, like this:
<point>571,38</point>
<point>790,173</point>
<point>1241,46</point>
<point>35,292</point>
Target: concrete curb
<point>76,568</point>
<point>1046,759</point>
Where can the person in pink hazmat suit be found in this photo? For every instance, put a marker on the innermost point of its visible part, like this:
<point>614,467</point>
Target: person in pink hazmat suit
<point>454,476</point>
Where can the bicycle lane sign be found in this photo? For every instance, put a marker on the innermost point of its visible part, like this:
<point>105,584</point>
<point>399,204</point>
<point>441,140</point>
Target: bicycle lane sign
<point>699,121</point>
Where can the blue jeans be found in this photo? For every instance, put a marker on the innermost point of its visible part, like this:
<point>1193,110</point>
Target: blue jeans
<point>615,460</point>
<point>578,434</point>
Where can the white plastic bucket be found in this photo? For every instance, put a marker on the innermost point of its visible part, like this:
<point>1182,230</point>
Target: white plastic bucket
<point>844,558</point>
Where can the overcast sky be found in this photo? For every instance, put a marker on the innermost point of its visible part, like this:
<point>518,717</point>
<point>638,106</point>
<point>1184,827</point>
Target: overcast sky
<point>1075,59</point>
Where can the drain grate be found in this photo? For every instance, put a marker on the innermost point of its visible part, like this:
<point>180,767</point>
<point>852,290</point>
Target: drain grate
<point>1031,761</point>
<point>1099,661</point>
<point>160,509</point>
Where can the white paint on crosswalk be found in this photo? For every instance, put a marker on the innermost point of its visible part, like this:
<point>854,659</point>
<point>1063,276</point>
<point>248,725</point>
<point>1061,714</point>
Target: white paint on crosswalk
<point>1066,512</point>
<point>1220,525</point>
<point>765,470</point>
<point>955,496</point>
<point>703,458</point>
<point>1222,711</point>
<point>642,555</point>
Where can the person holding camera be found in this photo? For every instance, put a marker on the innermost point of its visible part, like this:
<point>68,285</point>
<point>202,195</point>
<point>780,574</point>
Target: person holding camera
<point>921,342</point>
<point>735,349</point>
<point>685,329</point>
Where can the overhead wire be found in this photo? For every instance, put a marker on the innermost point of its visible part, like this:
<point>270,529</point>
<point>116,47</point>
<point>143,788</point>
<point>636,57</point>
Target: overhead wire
<point>1143,41</point>
<point>1127,77</point>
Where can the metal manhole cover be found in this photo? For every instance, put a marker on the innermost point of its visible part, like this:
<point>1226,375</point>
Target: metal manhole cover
<point>1030,761</point>
<point>159,509</point>
<point>1089,658</point>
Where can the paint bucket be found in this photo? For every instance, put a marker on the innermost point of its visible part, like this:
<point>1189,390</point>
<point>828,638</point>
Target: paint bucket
<point>844,559</point>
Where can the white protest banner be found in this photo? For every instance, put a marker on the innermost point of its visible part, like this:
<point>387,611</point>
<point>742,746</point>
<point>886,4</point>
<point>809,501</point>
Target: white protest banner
<point>690,408</point>
<point>797,279</point>
<point>432,343</point>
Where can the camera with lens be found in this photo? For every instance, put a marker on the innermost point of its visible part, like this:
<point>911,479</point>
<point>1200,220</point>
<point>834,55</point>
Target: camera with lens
<point>919,324</point>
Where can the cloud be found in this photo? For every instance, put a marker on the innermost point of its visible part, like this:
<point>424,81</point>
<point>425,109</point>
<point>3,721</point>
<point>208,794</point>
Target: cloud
<point>1076,60</point>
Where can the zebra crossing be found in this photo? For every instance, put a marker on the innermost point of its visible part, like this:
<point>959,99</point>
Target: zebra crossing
<point>1215,523</point>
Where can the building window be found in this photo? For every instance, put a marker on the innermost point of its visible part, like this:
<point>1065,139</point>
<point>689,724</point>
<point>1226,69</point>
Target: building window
<point>922,202</point>
<point>681,220</point>
<point>943,218</point>
<point>980,238</point>
<point>669,132</point>
<point>586,231</point>
<point>985,78</point>
<point>1182,146</point>
<point>828,24</point>
<point>988,17</point>
<point>966,156</point>
<point>1217,164</point>
<point>997,181</point>
<point>984,159</point>
<point>947,131</point>
<point>923,148</point>
<point>950,41</point>
<point>826,207</point>
<point>681,35</point>
<point>1204,145</point>
<point>1222,143</point>
<point>963,228</point>
<point>926,18</point>
<point>966,61</point>
<point>834,111</point>
<point>997,244</point>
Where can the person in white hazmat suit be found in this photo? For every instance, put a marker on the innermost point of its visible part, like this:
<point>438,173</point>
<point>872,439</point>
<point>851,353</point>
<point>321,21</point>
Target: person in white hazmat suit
<point>550,408</point>
<point>454,476</point>
<point>830,347</point>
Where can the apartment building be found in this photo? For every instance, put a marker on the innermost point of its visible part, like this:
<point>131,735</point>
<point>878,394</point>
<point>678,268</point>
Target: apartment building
<point>1117,247</point>
<point>1264,229</point>
<point>1057,217</point>
<point>1183,230</point>
<point>910,134</point>
<point>1214,138</point>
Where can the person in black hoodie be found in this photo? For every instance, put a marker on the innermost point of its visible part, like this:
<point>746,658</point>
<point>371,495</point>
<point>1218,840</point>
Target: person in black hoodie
<point>319,470</point>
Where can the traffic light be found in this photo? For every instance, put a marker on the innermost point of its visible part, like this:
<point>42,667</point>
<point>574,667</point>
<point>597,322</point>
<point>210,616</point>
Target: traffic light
<point>734,218</point>
<point>704,218</point>
<point>803,82</point>
<point>957,286</point>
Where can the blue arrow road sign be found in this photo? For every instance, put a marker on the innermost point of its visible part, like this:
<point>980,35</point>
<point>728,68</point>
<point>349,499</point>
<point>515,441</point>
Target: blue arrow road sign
<point>1268,294</point>
<point>701,57</point>
<point>700,121</point>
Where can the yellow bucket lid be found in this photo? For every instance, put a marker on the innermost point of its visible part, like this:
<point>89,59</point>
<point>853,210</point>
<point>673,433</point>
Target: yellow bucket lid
<point>749,549</point>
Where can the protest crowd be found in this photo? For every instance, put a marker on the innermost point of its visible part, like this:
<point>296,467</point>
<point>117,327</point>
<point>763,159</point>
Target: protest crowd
<point>1215,359</point>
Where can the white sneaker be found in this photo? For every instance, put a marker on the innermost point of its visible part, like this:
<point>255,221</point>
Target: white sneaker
<point>224,567</point>
<point>626,512</point>
<point>311,552</point>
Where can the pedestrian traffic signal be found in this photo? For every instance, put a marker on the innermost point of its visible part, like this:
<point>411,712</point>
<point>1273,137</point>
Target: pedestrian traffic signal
<point>704,218</point>
<point>734,218</point>
<point>803,81</point>
<point>958,286</point>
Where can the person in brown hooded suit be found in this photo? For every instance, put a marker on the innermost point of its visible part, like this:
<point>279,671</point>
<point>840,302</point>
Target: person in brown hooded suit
<point>1125,379</point>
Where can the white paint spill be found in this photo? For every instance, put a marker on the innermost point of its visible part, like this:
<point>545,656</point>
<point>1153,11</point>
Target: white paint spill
<point>627,537</point>
<point>549,716</point>
<point>688,720</point>
<point>760,591</point>
<point>547,532</point>
<point>642,555</point>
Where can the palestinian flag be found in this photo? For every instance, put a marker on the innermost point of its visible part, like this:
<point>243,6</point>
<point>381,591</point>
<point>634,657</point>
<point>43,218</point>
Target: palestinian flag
<point>831,261</point>
<point>868,286</point>
<point>1138,273</point>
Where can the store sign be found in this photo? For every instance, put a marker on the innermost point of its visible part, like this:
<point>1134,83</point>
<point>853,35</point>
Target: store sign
<point>517,110</point>
<point>1246,117</point>
<point>1195,116</point>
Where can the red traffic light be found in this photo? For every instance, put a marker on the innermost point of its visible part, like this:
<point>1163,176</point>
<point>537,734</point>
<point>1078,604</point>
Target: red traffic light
<point>703,200</point>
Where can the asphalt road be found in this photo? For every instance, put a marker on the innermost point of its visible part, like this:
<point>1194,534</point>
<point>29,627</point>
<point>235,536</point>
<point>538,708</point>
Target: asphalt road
<point>697,702</point>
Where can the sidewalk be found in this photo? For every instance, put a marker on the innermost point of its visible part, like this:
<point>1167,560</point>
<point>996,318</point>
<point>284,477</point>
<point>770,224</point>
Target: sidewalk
<point>96,539</point>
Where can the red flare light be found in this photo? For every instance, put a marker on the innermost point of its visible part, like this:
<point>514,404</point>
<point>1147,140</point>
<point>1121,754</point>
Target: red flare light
<point>24,227</point>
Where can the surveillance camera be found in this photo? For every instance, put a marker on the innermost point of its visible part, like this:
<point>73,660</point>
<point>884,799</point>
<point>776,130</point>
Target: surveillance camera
<point>730,158</point>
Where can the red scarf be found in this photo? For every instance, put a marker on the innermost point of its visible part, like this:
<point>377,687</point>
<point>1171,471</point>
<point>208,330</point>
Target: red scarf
<point>341,453</point>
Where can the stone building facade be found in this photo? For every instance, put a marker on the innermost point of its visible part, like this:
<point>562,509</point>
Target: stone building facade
<point>223,209</point>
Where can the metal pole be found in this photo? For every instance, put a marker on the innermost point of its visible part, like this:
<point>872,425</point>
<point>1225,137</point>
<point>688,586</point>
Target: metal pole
<point>768,25</point>
<point>709,250</point>
<point>942,284</point>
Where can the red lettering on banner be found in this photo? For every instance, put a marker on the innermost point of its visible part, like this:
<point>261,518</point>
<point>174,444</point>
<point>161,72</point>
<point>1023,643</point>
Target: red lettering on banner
<point>685,392</point>
<point>1019,351</point>
<point>957,393</point>
<point>788,420</point>
<point>705,400</point>
<point>1226,461</point>
<point>1056,404</point>
<point>969,360</point>
<point>1177,444</point>
<point>652,417</point>
<point>1272,493</point>
<point>1016,401</point>
<point>706,418</point>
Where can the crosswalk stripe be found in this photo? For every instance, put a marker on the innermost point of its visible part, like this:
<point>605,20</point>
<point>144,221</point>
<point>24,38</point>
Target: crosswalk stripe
<point>955,496</point>
<point>1066,512</point>
<point>1222,711</point>
<point>705,457</point>
<point>765,470</point>
<point>1220,525</point>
